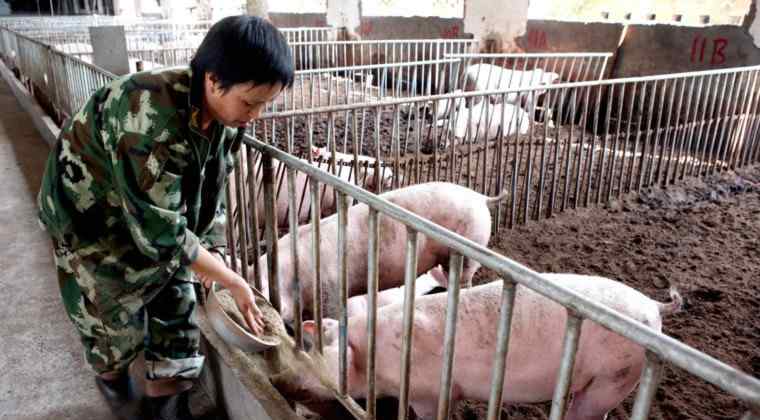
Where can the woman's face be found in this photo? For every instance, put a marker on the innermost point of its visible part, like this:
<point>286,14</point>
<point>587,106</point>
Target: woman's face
<point>239,104</point>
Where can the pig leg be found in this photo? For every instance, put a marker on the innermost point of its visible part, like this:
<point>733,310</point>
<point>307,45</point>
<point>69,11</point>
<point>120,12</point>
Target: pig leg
<point>603,394</point>
<point>469,267</point>
<point>426,408</point>
<point>468,271</point>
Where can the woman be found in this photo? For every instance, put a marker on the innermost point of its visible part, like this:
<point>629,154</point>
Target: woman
<point>132,197</point>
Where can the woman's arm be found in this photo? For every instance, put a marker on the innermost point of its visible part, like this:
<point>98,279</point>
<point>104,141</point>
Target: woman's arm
<point>209,268</point>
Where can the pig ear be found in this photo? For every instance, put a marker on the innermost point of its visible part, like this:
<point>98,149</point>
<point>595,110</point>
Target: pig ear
<point>439,275</point>
<point>310,327</point>
<point>330,328</point>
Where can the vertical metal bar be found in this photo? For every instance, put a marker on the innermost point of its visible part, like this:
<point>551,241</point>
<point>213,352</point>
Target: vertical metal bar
<point>710,100</point>
<point>680,158</point>
<point>579,151</point>
<point>727,126</point>
<point>636,141</point>
<point>606,128</point>
<point>296,293</point>
<point>452,309</point>
<point>735,145</point>
<point>373,256</point>
<point>270,230</point>
<point>410,276</point>
<point>691,144</point>
<point>499,164</point>
<point>624,144</point>
<point>592,146</point>
<point>650,378</point>
<point>502,347</point>
<point>556,166</point>
<point>726,109</point>
<point>673,127</point>
<point>573,102</point>
<point>342,205</point>
<point>242,216</point>
<point>230,234</point>
<point>569,350</point>
<point>529,159</point>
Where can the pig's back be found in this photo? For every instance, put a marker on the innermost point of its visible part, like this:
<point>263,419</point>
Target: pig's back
<point>441,202</point>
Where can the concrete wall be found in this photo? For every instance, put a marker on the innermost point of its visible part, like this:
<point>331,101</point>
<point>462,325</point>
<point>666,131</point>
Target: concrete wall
<point>657,49</point>
<point>556,36</point>
<point>109,47</point>
<point>647,49</point>
<point>291,20</point>
<point>499,21</point>
<point>391,27</point>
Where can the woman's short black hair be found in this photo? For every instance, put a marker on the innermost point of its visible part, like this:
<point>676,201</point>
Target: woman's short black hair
<point>241,49</point>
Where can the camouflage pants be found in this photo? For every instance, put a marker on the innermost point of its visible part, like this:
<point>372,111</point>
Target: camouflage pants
<point>116,321</point>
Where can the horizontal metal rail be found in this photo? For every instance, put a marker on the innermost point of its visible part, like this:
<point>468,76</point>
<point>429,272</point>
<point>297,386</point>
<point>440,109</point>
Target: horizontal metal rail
<point>527,89</point>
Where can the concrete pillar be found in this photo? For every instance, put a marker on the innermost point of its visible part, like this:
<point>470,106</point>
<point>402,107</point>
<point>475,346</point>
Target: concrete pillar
<point>343,14</point>
<point>496,22</point>
<point>258,8</point>
<point>176,9</point>
<point>124,7</point>
<point>754,25</point>
<point>109,47</point>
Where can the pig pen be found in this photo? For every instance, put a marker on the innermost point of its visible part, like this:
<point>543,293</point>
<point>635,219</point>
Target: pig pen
<point>299,364</point>
<point>399,134</point>
<point>703,139</point>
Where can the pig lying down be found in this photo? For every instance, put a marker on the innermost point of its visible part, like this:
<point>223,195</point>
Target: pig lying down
<point>607,367</point>
<point>459,209</point>
<point>484,122</point>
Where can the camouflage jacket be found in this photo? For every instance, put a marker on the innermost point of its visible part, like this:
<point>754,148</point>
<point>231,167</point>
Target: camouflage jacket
<point>133,186</point>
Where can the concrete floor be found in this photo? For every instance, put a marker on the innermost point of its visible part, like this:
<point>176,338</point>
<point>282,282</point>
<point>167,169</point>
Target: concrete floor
<point>43,374</point>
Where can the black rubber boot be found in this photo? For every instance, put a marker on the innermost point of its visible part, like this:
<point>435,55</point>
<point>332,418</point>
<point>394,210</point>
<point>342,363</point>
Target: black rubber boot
<point>171,407</point>
<point>121,397</point>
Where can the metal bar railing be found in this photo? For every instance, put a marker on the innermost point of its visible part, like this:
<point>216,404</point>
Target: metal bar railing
<point>635,133</point>
<point>660,348</point>
<point>321,87</point>
<point>60,79</point>
<point>322,54</point>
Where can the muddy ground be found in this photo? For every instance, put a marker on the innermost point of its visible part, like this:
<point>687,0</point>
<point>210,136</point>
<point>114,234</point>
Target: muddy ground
<point>700,236</point>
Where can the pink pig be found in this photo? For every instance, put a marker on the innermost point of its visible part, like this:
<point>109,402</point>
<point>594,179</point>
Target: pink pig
<point>607,366</point>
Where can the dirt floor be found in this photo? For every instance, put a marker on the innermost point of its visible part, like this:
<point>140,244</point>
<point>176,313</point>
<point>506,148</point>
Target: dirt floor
<point>700,236</point>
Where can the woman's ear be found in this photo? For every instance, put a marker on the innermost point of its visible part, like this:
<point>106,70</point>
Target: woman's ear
<point>212,82</point>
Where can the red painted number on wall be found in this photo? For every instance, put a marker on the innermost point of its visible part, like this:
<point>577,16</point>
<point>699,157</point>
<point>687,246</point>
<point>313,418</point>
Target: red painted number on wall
<point>452,32</point>
<point>704,50</point>
<point>365,28</point>
<point>537,39</point>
